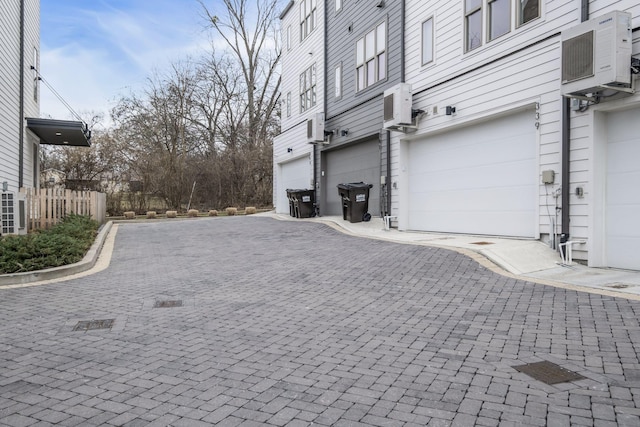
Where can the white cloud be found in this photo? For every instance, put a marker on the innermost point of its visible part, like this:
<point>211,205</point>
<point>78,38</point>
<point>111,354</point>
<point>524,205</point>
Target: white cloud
<point>101,54</point>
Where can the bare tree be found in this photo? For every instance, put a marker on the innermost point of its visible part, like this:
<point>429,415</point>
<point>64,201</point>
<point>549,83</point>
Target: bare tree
<point>250,32</point>
<point>157,133</point>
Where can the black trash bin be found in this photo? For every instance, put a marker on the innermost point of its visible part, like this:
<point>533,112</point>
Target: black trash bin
<point>301,203</point>
<point>292,210</point>
<point>355,201</point>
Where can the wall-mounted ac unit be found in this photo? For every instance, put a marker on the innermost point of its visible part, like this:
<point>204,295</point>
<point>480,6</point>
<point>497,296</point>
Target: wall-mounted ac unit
<point>12,213</point>
<point>397,107</point>
<point>596,55</point>
<point>315,128</point>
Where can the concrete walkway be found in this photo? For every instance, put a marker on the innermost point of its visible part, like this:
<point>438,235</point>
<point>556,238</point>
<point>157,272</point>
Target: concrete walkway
<point>255,321</point>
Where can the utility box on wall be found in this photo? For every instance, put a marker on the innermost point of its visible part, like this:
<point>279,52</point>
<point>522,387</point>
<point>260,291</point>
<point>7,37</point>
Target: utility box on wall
<point>12,213</point>
<point>315,128</point>
<point>397,107</point>
<point>596,55</point>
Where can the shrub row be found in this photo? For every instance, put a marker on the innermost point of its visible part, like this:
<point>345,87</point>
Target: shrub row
<point>65,243</point>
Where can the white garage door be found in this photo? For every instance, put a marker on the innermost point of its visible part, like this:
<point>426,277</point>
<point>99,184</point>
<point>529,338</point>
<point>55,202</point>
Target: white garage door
<point>295,175</point>
<point>481,179</point>
<point>622,222</point>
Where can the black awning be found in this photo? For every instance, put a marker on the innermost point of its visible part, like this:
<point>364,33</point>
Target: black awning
<point>60,132</point>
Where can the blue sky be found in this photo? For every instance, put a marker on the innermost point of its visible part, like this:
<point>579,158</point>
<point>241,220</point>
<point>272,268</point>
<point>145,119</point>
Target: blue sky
<point>94,51</point>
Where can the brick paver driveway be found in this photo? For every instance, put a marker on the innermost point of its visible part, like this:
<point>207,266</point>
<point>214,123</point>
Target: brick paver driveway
<point>254,321</point>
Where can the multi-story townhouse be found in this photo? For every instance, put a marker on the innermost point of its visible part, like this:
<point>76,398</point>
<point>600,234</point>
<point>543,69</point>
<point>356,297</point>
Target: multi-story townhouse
<point>501,139</point>
<point>21,131</point>
<point>498,149</point>
<point>302,96</point>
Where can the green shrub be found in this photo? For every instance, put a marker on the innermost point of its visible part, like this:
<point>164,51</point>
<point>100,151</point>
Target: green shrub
<point>65,243</point>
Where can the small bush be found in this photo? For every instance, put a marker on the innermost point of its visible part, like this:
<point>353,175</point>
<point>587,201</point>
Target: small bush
<point>172,214</point>
<point>65,243</point>
<point>213,212</point>
<point>249,210</point>
<point>192,213</point>
<point>151,214</point>
<point>129,215</point>
<point>232,211</point>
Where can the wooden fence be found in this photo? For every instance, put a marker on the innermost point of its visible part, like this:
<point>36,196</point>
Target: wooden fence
<point>45,207</point>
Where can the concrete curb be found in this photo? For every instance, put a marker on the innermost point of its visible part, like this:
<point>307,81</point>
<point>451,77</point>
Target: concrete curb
<point>85,264</point>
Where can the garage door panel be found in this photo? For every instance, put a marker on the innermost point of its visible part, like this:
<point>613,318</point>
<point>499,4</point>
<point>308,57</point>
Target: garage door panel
<point>622,206</point>
<point>490,222</point>
<point>295,174</point>
<point>481,179</point>
<point>619,188</point>
<point>473,201</point>
<point>360,162</point>
<point>486,176</point>
<point>619,220</point>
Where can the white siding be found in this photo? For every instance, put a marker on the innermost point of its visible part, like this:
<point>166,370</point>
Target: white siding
<point>294,61</point>
<point>10,90</point>
<point>519,68</point>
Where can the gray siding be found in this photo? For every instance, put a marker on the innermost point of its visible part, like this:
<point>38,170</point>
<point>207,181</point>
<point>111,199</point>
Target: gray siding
<point>360,113</point>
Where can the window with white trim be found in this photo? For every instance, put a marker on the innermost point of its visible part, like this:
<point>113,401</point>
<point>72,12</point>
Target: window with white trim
<point>487,20</point>
<point>371,57</point>
<point>338,81</point>
<point>338,5</point>
<point>288,104</point>
<point>427,41</point>
<point>499,18</point>
<point>308,17</point>
<point>308,88</point>
<point>289,37</point>
<point>473,24</point>
<point>528,10</point>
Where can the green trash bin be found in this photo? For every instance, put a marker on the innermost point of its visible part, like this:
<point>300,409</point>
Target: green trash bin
<point>355,201</point>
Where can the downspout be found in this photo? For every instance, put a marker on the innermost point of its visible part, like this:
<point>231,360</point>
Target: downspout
<point>316,152</point>
<point>566,147</point>
<point>402,78</point>
<point>21,108</point>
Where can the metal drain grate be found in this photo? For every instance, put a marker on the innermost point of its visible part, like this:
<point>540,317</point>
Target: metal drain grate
<point>548,373</point>
<point>481,243</point>
<point>91,325</point>
<point>168,304</point>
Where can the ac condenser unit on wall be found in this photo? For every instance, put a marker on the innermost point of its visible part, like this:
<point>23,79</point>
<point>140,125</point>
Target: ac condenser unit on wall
<point>397,107</point>
<point>315,128</point>
<point>12,213</point>
<point>596,55</point>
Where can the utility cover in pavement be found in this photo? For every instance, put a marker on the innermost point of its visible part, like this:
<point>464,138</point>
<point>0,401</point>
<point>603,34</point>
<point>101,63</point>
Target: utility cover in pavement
<point>90,325</point>
<point>548,373</point>
<point>168,304</point>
